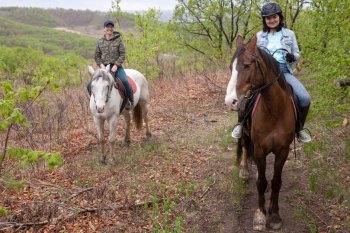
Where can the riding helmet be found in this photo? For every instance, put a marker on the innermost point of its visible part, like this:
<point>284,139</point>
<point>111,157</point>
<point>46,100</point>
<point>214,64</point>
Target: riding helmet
<point>270,8</point>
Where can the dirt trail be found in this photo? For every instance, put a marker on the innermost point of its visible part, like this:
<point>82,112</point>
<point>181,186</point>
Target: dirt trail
<point>183,179</point>
<point>226,207</point>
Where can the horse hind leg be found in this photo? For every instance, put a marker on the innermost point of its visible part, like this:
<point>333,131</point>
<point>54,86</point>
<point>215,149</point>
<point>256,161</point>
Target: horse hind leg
<point>242,159</point>
<point>112,134</point>
<point>144,107</point>
<point>243,166</point>
<point>275,221</point>
<point>127,128</point>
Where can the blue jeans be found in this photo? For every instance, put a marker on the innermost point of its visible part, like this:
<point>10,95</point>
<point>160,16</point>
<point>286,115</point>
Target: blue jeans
<point>298,88</point>
<point>122,76</point>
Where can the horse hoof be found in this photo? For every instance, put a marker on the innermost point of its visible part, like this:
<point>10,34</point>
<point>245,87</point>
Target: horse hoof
<point>103,161</point>
<point>275,222</point>
<point>243,173</point>
<point>148,134</point>
<point>259,222</point>
<point>127,142</point>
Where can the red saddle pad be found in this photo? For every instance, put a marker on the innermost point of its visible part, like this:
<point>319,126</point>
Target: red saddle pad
<point>132,83</point>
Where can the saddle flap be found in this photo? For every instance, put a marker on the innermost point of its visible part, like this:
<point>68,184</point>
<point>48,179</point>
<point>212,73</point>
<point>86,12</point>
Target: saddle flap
<point>121,88</point>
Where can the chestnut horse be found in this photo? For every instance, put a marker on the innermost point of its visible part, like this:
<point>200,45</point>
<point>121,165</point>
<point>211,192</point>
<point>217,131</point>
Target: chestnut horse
<point>272,122</point>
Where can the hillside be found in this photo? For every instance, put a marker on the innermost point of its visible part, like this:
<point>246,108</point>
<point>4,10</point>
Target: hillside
<point>50,41</point>
<point>86,22</point>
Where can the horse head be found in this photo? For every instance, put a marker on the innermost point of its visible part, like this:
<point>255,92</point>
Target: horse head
<point>101,87</point>
<point>246,73</point>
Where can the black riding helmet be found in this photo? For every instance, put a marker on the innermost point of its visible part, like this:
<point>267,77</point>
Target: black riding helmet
<point>270,8</point>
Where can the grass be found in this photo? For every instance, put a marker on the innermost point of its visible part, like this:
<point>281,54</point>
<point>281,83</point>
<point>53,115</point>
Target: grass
<point>312,147</point>
<point>4,212</point>
<point>309,222</point>
<point>239,188</point>
<point>14,185</point>
<point>50,41</point>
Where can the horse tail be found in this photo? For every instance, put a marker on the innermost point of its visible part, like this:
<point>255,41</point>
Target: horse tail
<point>137,116</point>
<point>248,144</point>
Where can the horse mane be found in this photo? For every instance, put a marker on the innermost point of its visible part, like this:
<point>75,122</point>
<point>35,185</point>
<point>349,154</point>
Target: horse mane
<point>101,73</point>
<point>237,53</point>
<point>273,66</point>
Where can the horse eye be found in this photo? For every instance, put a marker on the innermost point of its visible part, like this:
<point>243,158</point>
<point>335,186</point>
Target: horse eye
<point>246,65</point>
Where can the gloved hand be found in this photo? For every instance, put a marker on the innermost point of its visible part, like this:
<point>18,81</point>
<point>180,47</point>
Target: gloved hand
<point>290,57</point>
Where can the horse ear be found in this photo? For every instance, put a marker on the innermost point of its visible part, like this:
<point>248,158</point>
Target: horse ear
<point>108,68</point>
<point>252,44</point>
<point>91,70</point>
<point>239,41</point>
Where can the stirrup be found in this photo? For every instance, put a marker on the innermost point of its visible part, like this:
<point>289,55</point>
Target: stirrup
<point>303,136</point>
<point>129,105</point>
<point>237,131</point>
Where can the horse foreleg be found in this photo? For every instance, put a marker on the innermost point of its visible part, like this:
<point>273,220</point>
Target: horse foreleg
<point>275,221</point>
<point>100,133</point>
<point>112,133</point>
<point>259,222</point>
<point>127,128</point>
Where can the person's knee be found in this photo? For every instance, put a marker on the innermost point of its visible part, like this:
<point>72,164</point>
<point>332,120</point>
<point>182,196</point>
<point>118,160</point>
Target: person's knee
<point>88,87</point>
<point>305,100</point>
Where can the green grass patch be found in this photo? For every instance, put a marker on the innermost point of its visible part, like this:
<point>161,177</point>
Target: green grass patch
<point>14,185</point>
<point>347,149</point>
<point>4,212</point>
<point>239,188</point>
<point>309,222</point>
<point>313,146</point>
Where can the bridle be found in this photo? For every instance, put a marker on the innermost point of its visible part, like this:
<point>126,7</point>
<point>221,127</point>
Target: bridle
<point>253,92</point>
<point>109,86</point>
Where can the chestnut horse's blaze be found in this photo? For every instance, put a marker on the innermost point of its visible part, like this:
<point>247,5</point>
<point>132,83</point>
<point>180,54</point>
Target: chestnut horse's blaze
<point>272,126</point>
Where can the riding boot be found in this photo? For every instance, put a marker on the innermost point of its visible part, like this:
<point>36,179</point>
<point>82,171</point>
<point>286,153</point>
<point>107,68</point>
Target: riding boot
<point>88,87</point>
<point>130,104</point>
<point>302,135</point>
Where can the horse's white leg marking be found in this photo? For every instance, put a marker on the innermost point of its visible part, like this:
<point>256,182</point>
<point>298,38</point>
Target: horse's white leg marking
<point>112,133</point>
<point>243,168</point>
<point>259,222</point>
<point>127,127</point>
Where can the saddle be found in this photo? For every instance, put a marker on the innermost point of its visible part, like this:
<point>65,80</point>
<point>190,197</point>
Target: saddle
<point>122,90</point>
<point>245,115</point>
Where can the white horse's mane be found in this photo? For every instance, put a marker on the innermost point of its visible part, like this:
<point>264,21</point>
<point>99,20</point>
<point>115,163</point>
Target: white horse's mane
<point>104,73</point>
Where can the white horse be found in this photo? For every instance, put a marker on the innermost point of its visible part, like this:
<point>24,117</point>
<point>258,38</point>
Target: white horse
<point>105,103</point>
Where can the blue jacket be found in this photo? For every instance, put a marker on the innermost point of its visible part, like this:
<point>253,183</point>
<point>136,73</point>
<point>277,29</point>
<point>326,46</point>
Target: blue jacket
<point>288,42</point>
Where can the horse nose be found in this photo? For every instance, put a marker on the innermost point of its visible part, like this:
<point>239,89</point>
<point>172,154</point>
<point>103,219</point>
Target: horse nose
<point>234,105</point>
<point>100,109</point>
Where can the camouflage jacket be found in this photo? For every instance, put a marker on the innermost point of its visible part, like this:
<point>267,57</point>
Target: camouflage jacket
<point>110,51</point>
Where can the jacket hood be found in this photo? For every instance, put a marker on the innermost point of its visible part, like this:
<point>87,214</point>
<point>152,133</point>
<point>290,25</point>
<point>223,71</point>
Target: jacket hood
<point>115,36</point>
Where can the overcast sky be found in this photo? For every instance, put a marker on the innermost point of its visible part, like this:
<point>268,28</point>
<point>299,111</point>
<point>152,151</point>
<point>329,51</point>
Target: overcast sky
<point>99,5</point>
